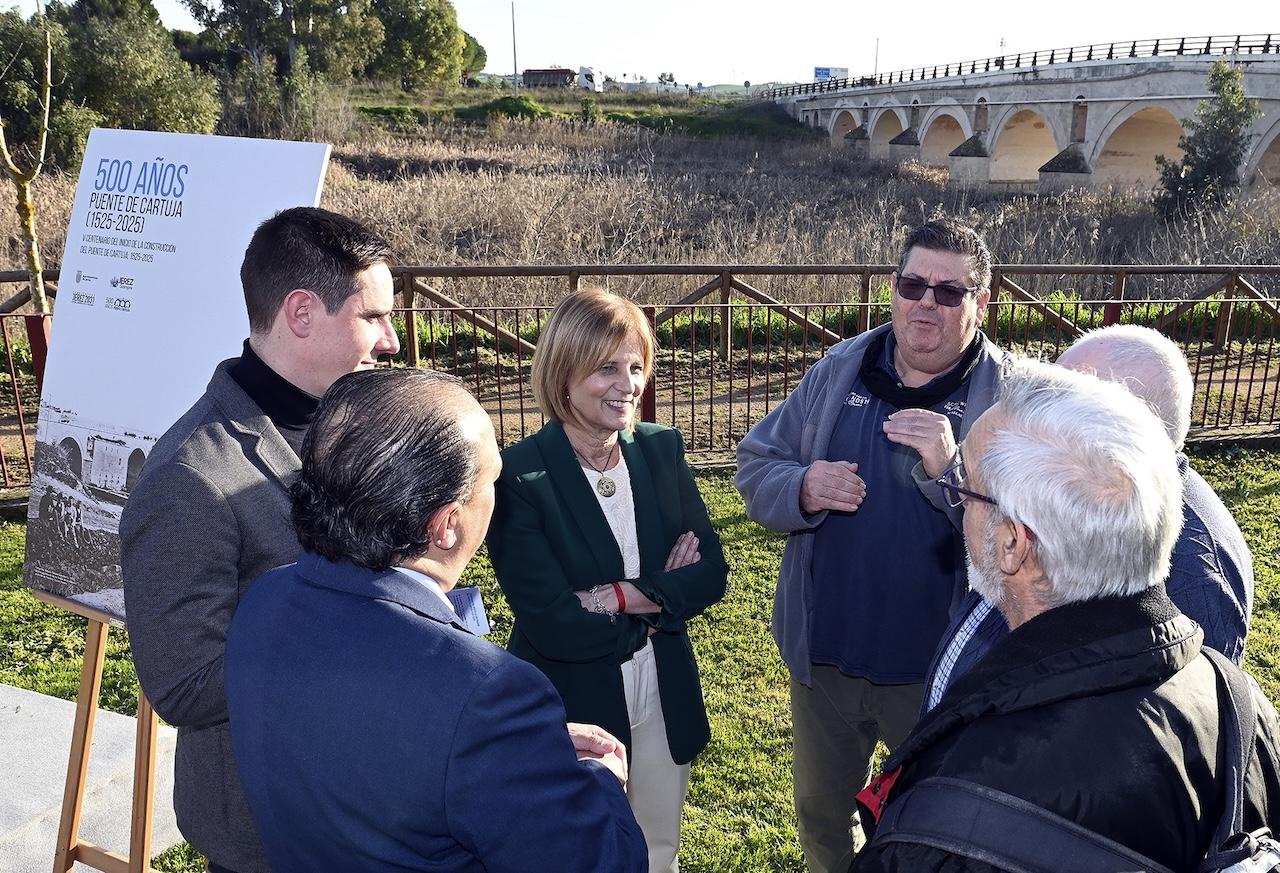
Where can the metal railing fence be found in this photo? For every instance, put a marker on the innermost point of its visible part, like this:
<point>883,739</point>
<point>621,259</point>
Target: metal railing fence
<point>1239,44</point>
<point>722,365</point>
<point>731,347</point>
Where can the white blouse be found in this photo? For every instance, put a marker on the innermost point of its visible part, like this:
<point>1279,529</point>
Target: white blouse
<point>620,511</point>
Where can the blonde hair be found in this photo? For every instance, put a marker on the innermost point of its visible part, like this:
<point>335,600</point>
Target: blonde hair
<point>583,331</point>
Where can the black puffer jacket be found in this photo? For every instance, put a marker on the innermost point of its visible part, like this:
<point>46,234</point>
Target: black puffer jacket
<point>1103,712</point>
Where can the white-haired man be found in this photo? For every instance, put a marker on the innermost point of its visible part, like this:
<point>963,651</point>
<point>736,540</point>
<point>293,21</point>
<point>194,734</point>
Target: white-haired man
<point>1099,705</point>
<point>1211,573</point>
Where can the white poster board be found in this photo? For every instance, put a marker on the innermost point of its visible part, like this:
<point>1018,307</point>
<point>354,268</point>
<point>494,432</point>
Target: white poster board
<point>149,301</point>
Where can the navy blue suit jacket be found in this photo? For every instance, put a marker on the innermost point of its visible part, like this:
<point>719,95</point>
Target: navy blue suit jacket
<point>372,732</point>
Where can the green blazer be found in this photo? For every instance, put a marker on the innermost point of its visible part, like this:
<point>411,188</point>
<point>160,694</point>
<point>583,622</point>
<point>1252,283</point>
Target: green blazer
<point>549,538</point>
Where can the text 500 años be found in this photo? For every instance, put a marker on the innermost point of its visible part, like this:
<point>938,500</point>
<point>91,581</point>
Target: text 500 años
<point>157,178</point>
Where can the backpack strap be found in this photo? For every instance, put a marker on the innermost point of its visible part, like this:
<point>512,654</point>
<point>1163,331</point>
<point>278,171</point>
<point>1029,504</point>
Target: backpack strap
<point>999,829</point>
<point>1231,844</point>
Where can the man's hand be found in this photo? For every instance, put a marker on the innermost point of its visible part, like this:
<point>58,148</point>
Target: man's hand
<point>929,433</point>
<point>597,744</point>
<point>832,485</point>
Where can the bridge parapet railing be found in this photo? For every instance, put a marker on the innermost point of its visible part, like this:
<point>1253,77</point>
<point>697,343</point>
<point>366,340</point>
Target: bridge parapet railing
<point>1235,44</point>
<point>733,340</point>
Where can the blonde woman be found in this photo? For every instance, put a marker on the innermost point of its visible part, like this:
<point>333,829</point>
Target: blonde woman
<point>603,547</point>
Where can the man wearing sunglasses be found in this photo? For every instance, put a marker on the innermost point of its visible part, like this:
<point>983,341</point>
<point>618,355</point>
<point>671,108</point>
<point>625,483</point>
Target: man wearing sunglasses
<point>847,465</point>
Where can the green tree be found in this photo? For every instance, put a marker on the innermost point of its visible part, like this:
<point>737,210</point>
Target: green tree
<point>342,37</point>
<point>1214,147</point>
<point>474,57</point>
<point>250,28</point>
<point>423,43</point>
<point>80,13</point>
<point>22,45</point>
<point>129,72</point>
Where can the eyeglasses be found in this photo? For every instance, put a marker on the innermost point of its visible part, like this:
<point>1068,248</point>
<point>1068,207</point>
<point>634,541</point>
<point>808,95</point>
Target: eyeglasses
<point>952,484</point>
<point>944,293</point>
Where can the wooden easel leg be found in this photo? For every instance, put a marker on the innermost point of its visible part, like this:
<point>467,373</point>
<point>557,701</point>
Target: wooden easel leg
<point>95,649</point>
<point>144,787</point>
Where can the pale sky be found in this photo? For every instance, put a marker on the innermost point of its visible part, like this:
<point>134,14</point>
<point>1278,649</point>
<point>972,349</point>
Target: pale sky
<point>717,41</point>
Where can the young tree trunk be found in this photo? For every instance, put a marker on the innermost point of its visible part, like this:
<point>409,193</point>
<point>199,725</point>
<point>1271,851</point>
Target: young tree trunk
<point>35,265</point>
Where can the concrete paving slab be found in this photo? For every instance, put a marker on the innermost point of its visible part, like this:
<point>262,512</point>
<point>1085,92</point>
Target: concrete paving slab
<point>35,740</point>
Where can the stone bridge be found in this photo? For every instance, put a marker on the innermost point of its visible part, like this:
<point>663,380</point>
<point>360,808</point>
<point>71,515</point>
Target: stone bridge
<point>102,456</point>
<point>1085,116</point>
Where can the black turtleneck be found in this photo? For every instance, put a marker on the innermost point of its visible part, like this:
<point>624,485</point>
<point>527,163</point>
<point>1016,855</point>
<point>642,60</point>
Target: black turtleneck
<point>288,406</point>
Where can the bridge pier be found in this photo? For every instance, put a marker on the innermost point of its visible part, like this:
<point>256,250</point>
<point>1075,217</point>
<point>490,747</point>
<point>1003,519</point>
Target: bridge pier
<point>859,140</point>
<point>905,146</point>
<point>970,162</point>
<point>1069,168</point>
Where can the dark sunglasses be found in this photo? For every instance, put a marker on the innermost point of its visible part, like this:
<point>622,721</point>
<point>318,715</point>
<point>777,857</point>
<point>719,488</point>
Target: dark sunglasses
<point>945,293</point>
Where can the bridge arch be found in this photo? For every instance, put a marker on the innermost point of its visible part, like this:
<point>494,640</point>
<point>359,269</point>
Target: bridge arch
<point>1022,140</point>
<point>1264,164</point>
<point>886,122</point>
<point>842,121</point>
<point>134,469</point>
<point>941,130</point>
<point>75,458</point>
<point>1125,150</point>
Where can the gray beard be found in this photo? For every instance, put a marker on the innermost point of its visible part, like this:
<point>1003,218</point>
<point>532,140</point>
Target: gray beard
<point>990,586</point>
<point>985,580</point>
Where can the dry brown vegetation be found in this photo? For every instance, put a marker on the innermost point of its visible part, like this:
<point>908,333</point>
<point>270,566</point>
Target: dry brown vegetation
<point>545,192</point>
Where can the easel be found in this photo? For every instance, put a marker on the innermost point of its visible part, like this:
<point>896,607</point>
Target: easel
<point>71,848</point>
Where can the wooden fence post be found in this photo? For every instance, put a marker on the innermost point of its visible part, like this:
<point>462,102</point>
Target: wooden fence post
<point>993,307</point>
<point>1226,314</point>
<point>726,320</point>
<point>864,299</point>
<point>408,297</point>
<point>649,399</point>
<point>1112,312</point>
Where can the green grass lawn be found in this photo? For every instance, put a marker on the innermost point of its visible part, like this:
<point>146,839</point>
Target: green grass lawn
<point>739,815</point>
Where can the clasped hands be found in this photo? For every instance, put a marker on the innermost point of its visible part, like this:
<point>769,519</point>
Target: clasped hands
<point>836,485</point>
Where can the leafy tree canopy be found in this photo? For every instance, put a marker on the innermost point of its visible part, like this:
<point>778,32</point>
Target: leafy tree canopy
<point>340,37</point>
<point>22,45</point>
<point>1214,148</point>
<point>130,72</point>
<point>474,57</point>
<point>423,44</point>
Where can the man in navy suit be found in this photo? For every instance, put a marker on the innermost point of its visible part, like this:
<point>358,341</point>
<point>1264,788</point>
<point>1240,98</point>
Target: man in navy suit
<point>370,729</point>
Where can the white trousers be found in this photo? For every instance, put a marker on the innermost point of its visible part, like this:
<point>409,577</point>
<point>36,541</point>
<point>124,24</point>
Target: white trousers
<point>656,785</point>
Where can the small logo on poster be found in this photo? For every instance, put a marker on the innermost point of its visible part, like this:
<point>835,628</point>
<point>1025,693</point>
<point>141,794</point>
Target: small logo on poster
<point>82,298</point>
<point>84,277</point>
<point>117,303</point>
<point>121,282</point>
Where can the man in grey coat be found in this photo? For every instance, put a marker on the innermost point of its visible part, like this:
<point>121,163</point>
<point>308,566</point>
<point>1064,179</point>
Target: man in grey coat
<point>210,512</point>
<point>845,466</point>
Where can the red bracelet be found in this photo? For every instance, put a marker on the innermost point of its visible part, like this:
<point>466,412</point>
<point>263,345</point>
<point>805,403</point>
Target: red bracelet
<point>622,601</point>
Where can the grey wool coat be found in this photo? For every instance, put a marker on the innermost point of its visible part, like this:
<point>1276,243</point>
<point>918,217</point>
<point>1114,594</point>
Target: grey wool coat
<point>209,515</point>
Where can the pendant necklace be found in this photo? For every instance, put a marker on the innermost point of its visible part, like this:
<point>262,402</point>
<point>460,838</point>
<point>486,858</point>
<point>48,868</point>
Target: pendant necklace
<point>604,485</point>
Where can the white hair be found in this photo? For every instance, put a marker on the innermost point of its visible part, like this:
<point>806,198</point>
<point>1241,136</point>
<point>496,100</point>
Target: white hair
<point>1087,467</point>
<point>1146,362</point>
